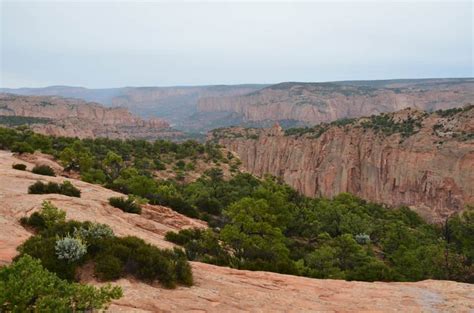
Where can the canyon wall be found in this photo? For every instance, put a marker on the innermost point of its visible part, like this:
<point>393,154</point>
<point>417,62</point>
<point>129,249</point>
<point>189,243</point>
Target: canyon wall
<point>175,104</point>
<point>77,118</point>
<point>323,102</point>
<point>431,169</point>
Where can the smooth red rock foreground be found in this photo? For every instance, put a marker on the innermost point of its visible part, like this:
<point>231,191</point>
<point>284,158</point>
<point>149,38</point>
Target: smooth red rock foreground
<point>216,289</point>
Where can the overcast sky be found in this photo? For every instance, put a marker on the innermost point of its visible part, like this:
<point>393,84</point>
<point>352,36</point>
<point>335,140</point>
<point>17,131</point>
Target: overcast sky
<point>133,43</point>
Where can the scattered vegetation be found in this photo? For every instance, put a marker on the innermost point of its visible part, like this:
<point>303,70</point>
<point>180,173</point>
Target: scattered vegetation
<point>453,111</point>
<point>323,89</point>
<point>387,125</point>
<point>445,129</point>
<point>66,188</point>
<point>268,226</point>
<point>13,121</point>
<point>19,166</point>
<point>317,130</point>
<point>112,163</point>
<point>64,246</point>
<point>43,170</point>
<point>247,133</point>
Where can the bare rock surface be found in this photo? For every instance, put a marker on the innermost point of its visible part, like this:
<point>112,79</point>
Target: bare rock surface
<point>216,289</point>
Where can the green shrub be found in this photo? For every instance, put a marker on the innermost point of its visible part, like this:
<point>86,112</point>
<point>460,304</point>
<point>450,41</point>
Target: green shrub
<point>42,188</point>
<point>66,188</point>
<point>43,248</point>
<point>19,166</point>
<point>70,249</point>
<point>43,170</point>
<point>131,255</point>
<point>113,257</point>
<point>180,164</point>
<point>34,220</point>
<point>93,232</point>
<point>128,205</point>
<point>47,217</point>
<point>184,274</point>
<point>94,176</point>
<point>25,286</point>
<point>22,147</point>
<point>51,214</point>
<point>108,267</point>
<point>183,236</point>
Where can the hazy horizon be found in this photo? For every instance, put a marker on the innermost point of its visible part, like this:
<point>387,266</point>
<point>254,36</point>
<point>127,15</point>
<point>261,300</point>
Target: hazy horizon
<point>237,84</point>
<point>134,43</point>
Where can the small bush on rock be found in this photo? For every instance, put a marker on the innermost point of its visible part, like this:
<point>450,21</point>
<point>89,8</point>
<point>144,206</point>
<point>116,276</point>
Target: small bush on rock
<point>19,166</point>
<point>65,188</point>
<point>48,216</point>
<point>94,231</point>
<point>43,170</point>
<point>68,189</point>
<point>70,249</point>
<point>128,205</point>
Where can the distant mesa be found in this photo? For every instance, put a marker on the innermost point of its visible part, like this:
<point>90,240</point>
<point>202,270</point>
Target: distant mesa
<point>51,115</point>
<point>293,104</point>
<point>313,103</point>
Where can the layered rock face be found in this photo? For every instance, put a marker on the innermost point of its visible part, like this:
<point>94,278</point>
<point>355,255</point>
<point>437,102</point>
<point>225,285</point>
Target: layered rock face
<point>323,102</point>
<point>216,289</point>
<point>431,170</point>
<point>175,104</point>
<point>76,118</point>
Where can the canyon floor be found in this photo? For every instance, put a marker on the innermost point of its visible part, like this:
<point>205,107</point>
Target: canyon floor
<point>216,289</point>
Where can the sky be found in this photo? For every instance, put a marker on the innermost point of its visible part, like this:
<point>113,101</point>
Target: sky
<point>134,43</point>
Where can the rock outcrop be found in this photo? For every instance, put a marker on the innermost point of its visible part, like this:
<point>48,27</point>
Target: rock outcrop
<point>431,169</point>
<point>216,289</point>
<point>324,102</point>
<point>76,118</point>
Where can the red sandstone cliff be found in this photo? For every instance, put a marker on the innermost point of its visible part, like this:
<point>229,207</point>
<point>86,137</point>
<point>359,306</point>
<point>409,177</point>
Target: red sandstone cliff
<point>432,170</point>
<point>324,102</point>
<point>77,118</point>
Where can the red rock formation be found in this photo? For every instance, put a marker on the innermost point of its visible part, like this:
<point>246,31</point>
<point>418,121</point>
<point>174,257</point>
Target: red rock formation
<point>324,102</point>
<point>77,118</point>
<point>431,171</point>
